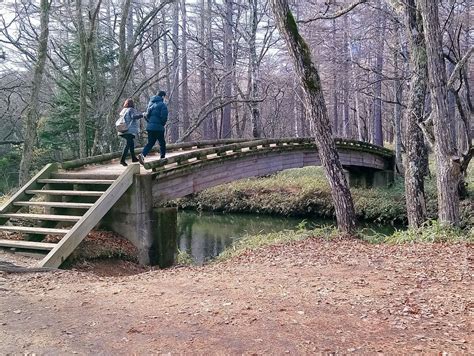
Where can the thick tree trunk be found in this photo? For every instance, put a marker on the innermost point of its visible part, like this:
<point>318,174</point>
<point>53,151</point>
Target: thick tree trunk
<point>83,74</point>
<point>32,111</point>
<point>317,111</point>
<point>414,141</point>
<point>447,160</point>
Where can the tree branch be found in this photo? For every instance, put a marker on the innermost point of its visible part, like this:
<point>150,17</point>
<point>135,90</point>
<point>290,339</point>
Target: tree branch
<point>337,14</point>
<point>459,66</point>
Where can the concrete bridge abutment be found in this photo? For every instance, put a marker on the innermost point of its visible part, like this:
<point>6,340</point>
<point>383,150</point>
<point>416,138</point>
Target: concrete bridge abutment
<point>153,231</point>
<point>369,178</point>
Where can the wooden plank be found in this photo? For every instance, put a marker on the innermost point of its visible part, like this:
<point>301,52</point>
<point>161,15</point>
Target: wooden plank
<point>33,230</point>
<point>42,217</point>
<point>82,193</point>
<point>54,204</point>
<point>76,181</point>
<point>74,237</point>
<point>9,206</point>
<point>84,175</point>
<point>27,244</point>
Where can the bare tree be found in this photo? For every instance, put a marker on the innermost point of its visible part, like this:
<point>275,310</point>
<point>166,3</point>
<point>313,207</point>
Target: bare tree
<point>32,111</point>
<point>447,159</point>
<point>317,111</point>
<point>86,48</point>
<point>414,140</point>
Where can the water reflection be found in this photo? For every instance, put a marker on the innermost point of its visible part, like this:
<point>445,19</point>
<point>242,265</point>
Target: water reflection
<point>205,235</point>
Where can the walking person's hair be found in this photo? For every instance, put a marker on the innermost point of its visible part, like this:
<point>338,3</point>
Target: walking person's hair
<point>128,103</point>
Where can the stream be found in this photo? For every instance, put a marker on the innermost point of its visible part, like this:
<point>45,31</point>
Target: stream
<point>204,235</point>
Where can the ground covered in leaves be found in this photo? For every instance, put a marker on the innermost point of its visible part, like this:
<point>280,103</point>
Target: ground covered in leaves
<point>298,298</point>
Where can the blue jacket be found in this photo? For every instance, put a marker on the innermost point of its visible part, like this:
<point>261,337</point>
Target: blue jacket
<point>131,118</point>
<point>157,114</point>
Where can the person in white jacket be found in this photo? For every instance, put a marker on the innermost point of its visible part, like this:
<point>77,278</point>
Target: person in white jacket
<point>131,116</point>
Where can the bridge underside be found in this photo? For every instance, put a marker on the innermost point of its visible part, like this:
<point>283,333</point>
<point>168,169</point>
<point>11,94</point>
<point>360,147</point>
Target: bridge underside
<point>363,169</point>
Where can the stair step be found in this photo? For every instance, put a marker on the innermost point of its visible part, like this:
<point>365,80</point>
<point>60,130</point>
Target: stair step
<point>54,204</point>
<point>83,175</point>
<point>82,193</point>
<point>76,181</point>
<point>27,244</point>
<point>42,217</point>
<point>33,230</point>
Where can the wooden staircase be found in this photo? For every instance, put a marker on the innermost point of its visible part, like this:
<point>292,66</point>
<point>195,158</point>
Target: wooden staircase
<point>63,206</point>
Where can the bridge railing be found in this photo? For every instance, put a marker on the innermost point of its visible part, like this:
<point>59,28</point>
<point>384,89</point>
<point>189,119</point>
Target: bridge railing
<point>76,163</point>
<point>245,143</point>
<point>250,146</point>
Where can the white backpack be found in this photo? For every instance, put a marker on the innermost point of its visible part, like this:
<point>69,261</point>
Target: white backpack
<point>121,124</point>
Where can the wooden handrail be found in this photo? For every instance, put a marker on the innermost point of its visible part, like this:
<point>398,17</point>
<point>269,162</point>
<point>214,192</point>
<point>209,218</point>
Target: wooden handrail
<point>263,145</point>
<point>223,142</point>
<point>76,163</point>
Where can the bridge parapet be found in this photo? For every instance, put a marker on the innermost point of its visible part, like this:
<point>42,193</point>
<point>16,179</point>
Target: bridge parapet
<point>234,144</point>
<point>265,145</point>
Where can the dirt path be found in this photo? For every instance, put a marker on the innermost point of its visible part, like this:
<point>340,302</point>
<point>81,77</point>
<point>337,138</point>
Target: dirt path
<point>331,297</point>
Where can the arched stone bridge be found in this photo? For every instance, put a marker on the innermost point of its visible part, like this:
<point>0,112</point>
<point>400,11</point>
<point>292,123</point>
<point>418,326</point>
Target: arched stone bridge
<point>80,194</point>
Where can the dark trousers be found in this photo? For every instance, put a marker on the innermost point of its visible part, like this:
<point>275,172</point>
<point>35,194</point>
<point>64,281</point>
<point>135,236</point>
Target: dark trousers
<point>153,136</point>
<point>129,146</point>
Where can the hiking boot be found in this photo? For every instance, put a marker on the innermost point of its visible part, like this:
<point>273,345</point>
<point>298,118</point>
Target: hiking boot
<point>134,159</point>
<point>141,159</point>
<point>123,163</point>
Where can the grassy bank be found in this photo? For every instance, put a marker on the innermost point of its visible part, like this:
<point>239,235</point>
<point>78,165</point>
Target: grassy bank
<point>305,192</point>
<point>432,232</point>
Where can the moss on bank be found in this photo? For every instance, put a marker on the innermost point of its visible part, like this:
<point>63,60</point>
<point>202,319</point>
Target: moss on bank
<point>305,192</point>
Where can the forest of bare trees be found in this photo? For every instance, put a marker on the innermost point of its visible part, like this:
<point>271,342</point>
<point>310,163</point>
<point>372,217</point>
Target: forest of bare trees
<point>392,72</point>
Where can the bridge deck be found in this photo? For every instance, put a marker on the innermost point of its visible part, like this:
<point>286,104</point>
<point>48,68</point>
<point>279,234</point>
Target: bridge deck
<point>113,168</point>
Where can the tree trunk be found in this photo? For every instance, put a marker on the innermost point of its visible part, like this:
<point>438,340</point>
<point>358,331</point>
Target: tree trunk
<point>184,68</point>
<point>166,59</point>
<point>174,95</point>
<point>255,111</point>
<point>32,110</point>
<point>335,98</point>
<point>346,124</point>
<point>378,131</point>
<point>202,66</point>
<point>447,160</point>
<point>414,141</point>
<point>226,128</point>
<point>317,111</point>
<point>398,89</point>
<point>211,122</point>
<point>83,73</point>
<point>361,128</point>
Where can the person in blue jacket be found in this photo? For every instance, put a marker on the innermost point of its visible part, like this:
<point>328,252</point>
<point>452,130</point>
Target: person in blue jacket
<point>131,116</point>
<point>156,115</point>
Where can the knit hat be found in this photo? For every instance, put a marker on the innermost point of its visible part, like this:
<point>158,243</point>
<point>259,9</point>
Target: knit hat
<point>161,93</point>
